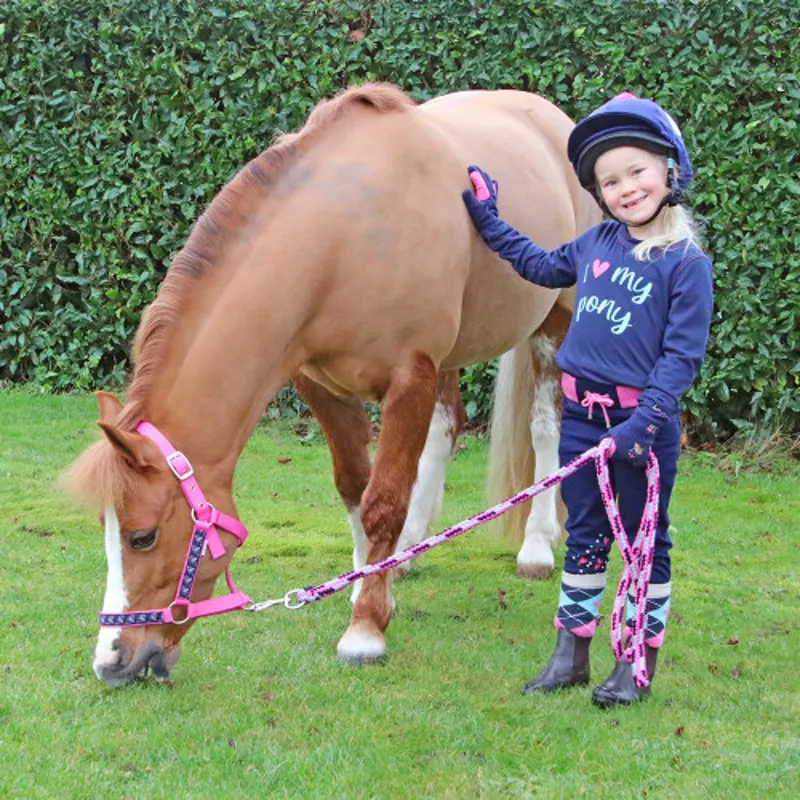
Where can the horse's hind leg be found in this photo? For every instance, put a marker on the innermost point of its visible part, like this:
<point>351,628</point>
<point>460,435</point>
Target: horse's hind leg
<point>406,409</point>
<point>543,528</point>
<point>346,428</point>
<point>426,497</point>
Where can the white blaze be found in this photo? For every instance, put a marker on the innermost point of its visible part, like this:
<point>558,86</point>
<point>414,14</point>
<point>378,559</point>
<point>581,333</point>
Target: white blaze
<point>116,598</point>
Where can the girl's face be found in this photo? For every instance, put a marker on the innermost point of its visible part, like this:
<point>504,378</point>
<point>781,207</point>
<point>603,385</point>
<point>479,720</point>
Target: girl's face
<point>633,182</point>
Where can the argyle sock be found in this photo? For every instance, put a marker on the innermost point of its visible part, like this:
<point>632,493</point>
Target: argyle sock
<point>579,602</point>
<point>658,603</point>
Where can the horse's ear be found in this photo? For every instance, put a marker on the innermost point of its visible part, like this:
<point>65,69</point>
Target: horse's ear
<point>136,449</point>
<point>108,405</point>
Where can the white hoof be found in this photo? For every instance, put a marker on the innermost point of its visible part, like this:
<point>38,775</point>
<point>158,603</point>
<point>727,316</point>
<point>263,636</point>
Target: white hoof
<point>535,561</point>
<point>359,647</point>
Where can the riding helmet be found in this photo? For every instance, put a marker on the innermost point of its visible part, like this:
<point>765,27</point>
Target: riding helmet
<point>629,120</point>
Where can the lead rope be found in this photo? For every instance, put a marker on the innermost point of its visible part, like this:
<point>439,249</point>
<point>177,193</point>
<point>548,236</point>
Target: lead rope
<point>638,566</point>
<point>637,557</point>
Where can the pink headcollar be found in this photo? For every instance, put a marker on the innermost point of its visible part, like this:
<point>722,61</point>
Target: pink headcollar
<point>204,537</point>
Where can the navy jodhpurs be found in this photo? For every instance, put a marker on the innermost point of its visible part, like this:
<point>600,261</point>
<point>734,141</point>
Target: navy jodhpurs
<point>589,535</point>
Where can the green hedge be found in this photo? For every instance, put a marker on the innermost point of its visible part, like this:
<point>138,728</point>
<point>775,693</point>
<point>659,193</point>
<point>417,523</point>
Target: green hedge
<point>120,120</point>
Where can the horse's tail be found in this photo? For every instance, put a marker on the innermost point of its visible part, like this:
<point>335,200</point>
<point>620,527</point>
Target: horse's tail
<point>511,458</point>
<point>526,399</point>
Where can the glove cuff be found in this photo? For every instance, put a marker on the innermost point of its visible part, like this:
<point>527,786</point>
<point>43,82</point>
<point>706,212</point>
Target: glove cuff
<point>660,402</point>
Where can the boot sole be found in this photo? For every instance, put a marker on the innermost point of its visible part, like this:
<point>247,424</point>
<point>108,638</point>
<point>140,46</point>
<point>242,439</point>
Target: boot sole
<point>610,700</point>
<point>529,689</point>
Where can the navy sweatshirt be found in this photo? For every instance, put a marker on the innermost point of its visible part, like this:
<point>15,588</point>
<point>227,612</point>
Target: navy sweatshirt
<point>643,324</point>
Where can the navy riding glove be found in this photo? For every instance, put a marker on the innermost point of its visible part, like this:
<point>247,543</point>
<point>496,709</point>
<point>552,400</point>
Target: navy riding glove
<point>633,439</point>
<point>482,203</point>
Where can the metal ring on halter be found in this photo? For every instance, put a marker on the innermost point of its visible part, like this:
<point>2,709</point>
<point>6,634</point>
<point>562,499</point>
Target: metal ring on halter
<point>194,513</point>
<point>181,605</point>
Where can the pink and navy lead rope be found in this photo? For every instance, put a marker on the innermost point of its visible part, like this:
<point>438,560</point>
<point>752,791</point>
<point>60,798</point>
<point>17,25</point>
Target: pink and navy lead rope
<point>637,557</point>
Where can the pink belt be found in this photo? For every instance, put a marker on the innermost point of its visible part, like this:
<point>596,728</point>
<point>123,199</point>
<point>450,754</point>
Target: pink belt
<point>628,397</point>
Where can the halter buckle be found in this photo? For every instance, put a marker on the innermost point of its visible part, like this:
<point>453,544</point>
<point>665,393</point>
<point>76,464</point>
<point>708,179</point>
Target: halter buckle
<point>180,476</point>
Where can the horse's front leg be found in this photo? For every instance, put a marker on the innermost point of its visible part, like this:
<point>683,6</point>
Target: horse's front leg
<point>426,497</point>
<point>347,431</point>
<point>406,412</point>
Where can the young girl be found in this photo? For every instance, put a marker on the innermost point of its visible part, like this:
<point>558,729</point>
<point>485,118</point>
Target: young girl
<point>635,344</point>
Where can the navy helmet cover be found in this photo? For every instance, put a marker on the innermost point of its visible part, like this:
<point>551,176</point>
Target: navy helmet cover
<point>627,120</point>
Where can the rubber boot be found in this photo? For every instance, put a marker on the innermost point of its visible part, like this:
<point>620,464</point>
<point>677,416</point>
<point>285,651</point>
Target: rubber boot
<point>568,666</point>
<point>620,688</point>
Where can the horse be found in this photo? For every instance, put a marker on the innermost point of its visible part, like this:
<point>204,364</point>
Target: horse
<point>342,259</point>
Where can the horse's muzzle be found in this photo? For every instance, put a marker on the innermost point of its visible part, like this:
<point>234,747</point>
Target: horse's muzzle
<point>148,659</point>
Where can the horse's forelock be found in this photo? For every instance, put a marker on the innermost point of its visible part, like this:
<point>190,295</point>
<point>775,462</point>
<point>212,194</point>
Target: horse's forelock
<point>100,477</point>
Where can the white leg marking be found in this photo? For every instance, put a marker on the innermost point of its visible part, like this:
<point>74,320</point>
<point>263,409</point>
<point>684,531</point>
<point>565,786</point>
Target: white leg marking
<point>359,551</point>
<point>116,597</point>
<point>428,491</point>
<point>358,646</point>
<point>359,547</point>
<point>543,531</point>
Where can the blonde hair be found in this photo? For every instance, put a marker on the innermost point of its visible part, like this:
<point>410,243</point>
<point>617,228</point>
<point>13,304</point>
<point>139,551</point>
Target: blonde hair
<point>679,226</point>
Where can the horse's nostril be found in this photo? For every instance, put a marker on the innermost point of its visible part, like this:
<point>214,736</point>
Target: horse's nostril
<point>124,652</point>
<point>158,665</point>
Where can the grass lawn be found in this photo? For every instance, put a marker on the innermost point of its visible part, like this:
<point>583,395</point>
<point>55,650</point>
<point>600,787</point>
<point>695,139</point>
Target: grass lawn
<point>259,707</point>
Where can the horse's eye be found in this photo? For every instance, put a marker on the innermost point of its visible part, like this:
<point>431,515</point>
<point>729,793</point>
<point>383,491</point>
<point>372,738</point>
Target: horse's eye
<point>143,540</point>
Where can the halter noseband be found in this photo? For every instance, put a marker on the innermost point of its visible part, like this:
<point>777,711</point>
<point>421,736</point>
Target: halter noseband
<point>206,519</point>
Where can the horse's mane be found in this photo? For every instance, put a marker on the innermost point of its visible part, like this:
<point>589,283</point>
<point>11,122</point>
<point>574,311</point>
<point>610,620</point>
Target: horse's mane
<point>220,223</point>
<point>100,477</point>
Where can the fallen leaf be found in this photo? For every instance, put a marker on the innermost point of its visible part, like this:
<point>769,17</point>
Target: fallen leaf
<point>732,640</point>
<point>679,731</point>
<point>284,460</point>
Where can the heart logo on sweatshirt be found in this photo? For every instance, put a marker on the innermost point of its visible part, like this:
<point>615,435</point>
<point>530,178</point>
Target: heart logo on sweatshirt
<point>599,267</point>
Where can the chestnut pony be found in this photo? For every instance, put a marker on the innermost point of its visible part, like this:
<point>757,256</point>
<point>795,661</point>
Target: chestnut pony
<point>342,259</point>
